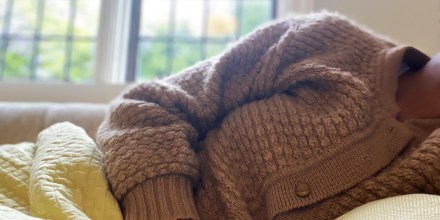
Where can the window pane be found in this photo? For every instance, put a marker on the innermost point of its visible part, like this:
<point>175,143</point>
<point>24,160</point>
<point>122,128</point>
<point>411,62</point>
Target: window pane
<point>189,18</point>
<point>56,17</point>
<point>51,60</point>
<point>155,18</point>
<point>152,60</point>
<point>185,55</point>
<point>17,60</point>
<point>2,13</point>
<point>83,62</point>
<point>87,17</point>
<point>54,53</point>
<point>255,13</point>
<point>24,17</point>
<point>214,49</point>
<point>202,29</point>
<point>222,22</point>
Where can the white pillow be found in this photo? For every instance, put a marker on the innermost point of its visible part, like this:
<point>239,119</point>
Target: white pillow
<point>413,206</point>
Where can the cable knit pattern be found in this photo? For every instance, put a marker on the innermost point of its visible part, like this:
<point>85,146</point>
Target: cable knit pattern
<point>307,101</point>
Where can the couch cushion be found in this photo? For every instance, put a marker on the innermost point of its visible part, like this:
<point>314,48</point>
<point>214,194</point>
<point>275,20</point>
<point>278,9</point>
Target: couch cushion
<point>23,121</point>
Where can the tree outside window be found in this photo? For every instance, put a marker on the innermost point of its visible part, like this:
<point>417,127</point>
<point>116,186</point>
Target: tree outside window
<point>55,40</point>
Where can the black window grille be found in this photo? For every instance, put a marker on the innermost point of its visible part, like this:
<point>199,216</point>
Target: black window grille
<point>48,40</point>
<point>172,47</point>
<point>31,49</point>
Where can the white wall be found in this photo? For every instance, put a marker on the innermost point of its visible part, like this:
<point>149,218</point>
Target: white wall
<point>412,22</point>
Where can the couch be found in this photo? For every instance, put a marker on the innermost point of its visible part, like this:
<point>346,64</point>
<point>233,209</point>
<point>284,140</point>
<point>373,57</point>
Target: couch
<point>23,121</point>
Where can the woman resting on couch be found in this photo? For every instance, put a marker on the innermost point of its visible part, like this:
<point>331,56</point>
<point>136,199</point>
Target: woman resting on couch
<point>298,120</point>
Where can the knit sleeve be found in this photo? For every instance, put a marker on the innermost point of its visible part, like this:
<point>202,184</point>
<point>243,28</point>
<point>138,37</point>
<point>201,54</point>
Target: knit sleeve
<point>152,131</point>
<point>428,157</point>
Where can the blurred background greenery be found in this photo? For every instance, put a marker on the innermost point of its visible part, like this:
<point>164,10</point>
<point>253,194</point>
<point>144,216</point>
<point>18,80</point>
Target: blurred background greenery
<point>226,21</point>
<point>50,41</point>
<point>200,31</point>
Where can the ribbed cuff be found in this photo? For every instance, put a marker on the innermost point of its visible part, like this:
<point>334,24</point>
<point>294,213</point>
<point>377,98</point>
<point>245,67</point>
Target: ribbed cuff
<point>166,197</point>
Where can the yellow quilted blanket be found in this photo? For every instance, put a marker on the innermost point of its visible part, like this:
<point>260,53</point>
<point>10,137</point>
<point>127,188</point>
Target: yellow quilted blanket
<point>58,177</point>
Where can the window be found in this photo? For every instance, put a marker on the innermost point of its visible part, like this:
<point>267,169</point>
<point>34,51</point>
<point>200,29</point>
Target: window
<point>48,40</point>
<point>118,51</point>
<point>58,40</point>
<point>175,34</point>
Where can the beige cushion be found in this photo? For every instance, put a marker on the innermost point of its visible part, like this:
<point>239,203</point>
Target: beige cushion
<point>414,207</point>
<point>23,121</point>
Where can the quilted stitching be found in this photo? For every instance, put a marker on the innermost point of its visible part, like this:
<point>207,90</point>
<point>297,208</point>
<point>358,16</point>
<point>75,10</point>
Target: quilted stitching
<point>59,177</point>
<point>15,162</point>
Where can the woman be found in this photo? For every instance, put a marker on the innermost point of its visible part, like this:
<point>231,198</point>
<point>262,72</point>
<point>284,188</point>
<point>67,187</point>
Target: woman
<point>299,120</point>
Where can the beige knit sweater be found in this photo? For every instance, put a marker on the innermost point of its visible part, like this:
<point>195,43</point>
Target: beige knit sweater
<point>295,121</point>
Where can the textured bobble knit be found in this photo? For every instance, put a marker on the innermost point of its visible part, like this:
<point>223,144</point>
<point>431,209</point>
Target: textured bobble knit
<point>295,121</point>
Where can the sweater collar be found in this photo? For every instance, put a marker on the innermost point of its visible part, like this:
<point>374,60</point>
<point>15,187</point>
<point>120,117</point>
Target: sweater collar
<point>392,63</point>
<point>390,68</point>
<point>423,127</point>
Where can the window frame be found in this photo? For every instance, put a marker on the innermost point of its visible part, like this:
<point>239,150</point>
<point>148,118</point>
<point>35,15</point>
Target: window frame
<point>39,38</point>
<point>112,61</point>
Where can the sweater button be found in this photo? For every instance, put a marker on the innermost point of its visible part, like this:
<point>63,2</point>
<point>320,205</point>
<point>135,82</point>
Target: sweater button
<point>302,190</point>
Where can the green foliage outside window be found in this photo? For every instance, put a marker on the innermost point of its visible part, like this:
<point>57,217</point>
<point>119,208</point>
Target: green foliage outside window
<point>152,55</point>
<point>155,57</point>
<point>51,60</point>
